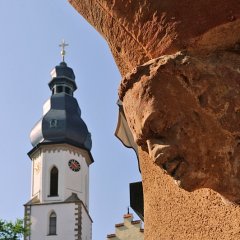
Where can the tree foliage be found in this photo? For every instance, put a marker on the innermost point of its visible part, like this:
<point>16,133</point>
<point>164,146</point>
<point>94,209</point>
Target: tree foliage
<point>12,230</point>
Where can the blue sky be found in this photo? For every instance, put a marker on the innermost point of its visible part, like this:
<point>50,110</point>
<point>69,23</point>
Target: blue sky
<point>30,33</point>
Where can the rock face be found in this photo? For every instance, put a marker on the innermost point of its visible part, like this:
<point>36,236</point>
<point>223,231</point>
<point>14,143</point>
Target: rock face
<point>138,31</point>
<point>185,112</point>
<point>172,213</point>
<point>180,62</point>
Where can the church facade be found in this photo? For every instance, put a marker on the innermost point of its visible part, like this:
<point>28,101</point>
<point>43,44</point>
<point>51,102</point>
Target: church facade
<point>59,203</point>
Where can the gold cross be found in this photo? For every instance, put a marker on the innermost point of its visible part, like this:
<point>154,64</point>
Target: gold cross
<point>63,52</point>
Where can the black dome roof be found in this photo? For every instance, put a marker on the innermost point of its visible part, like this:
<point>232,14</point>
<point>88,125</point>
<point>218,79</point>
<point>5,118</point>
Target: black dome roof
<point>61,121</point>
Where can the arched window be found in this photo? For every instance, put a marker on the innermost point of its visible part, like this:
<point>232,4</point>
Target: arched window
<point>59,89</point>
<point>54,182</point>
<point>53,224</point>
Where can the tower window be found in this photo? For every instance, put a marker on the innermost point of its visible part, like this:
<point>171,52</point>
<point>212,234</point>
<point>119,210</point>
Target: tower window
<point>53,224</point>
<point>67,90</point>
<point>54,182</point>
<point>59,89</point>
<point>53,123</point>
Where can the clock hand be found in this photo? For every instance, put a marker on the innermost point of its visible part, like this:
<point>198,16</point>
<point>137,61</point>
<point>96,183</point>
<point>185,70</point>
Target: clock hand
<point>74,165</point>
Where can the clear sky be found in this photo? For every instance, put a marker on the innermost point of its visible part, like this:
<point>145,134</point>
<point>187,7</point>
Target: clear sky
<point>30,33</point>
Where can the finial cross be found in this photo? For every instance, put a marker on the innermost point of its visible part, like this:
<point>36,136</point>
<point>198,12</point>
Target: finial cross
<point>63,52</point>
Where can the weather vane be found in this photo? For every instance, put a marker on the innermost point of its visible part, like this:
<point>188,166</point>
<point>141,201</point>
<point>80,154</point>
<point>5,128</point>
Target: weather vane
<point>63,52</point>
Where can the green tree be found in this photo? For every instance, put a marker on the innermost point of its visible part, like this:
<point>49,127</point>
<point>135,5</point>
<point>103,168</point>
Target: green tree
<point>13,230</point>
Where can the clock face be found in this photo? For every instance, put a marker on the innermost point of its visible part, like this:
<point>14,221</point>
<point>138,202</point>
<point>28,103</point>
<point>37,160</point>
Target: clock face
<point>74,165</point>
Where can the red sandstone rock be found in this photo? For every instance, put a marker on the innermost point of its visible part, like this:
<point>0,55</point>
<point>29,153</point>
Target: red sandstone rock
<point>183,108</point>
<point>184,111</point>
<point>138,31</point>
<point>172,213</point>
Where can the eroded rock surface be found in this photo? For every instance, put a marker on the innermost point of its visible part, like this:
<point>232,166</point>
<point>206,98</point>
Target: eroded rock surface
<point>172,213</point>
<point>185,111</point>
<point>180,90</point>
<point>138,31</point>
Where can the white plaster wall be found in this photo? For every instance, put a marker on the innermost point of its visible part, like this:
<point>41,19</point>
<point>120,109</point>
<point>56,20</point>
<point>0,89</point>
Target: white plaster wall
<point>129,232</point>
<point>65,221</point>
<point>87,191</point>
<point>86,225</point>
<point>75,181</point>
<point>36,176</point>
<point>68,181</point>
<point>50,159</point>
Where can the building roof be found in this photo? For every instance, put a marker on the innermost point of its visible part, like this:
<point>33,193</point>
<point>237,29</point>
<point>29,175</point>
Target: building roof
<point>61,120</point>
<point>128,229</point>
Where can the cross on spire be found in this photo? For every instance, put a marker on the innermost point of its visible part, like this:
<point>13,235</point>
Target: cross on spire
<point>63,52</point>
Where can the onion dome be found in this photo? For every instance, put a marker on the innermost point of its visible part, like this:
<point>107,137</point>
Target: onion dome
<point>61,121</point>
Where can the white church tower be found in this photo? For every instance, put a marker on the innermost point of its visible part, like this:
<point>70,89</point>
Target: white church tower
<point>59,204</point>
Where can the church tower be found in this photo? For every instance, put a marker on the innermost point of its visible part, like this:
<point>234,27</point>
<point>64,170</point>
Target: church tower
<point>59,204</point>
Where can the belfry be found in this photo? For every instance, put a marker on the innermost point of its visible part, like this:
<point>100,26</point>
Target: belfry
<point>59,204</point>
